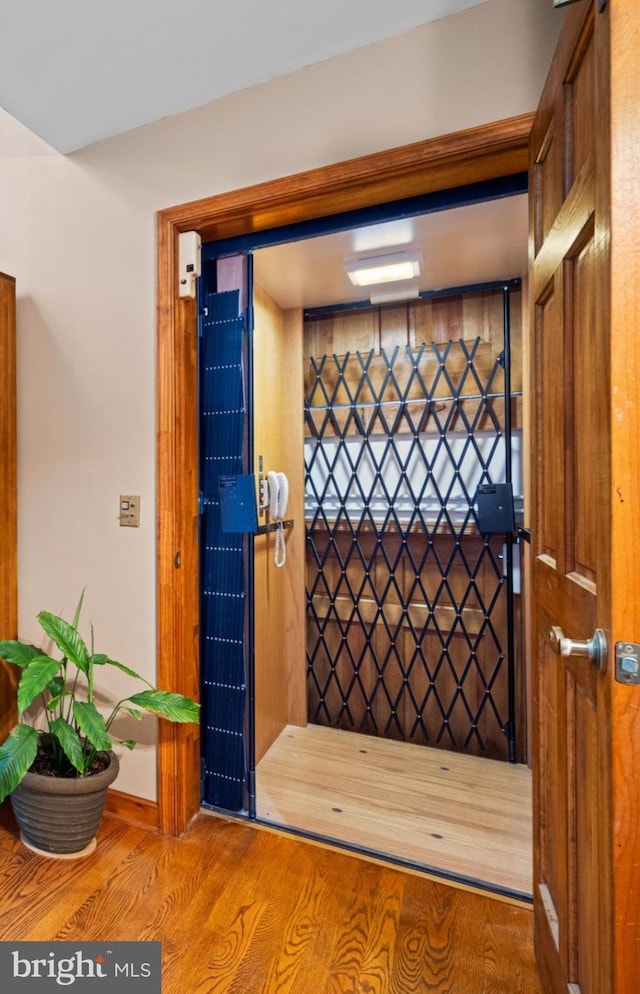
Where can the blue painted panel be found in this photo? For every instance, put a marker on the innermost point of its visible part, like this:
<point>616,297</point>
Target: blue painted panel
<point>223,588</point>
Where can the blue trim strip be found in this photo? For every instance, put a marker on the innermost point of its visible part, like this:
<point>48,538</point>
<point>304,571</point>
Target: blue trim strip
<point>452,291</point>
<point>250,716</point>
<point>428,203</point>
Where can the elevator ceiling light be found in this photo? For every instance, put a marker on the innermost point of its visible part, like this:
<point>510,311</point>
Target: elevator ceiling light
<point>383,269</point>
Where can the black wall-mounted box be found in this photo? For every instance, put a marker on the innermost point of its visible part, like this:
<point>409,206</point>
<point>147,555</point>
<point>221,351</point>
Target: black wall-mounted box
<point>494,508</point>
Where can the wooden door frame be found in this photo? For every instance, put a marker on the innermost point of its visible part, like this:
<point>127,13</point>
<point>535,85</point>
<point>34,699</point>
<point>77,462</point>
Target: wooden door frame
<point>483,153</point>
<point>8,499</point>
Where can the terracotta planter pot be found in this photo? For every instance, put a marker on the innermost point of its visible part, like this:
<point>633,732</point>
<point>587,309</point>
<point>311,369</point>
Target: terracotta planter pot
<point>59,815</point>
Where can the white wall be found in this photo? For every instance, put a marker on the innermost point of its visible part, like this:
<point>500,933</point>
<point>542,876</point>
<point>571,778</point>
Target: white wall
<point>78,234</point>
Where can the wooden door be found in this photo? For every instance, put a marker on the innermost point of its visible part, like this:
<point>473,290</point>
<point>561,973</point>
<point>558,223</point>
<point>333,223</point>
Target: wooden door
<point>585,326</point>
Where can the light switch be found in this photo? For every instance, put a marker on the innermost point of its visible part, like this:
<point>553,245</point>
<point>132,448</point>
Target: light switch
<point>129,511</point>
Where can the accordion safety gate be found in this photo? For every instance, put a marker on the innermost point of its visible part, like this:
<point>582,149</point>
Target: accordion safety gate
<point>413,625</point>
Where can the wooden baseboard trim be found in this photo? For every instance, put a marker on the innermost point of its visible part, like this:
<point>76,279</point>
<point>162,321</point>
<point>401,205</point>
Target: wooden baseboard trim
<point>133,810</point>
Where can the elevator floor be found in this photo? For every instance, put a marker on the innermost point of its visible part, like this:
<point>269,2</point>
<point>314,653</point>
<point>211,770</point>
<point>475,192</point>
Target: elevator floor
<point>458,814</point>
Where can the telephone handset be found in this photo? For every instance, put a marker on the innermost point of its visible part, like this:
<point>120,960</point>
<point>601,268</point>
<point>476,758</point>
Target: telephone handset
<point>278,500</point>
<point>278,495</point>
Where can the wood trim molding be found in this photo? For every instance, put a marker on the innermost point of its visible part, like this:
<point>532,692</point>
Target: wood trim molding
<point>8,448</point>
<point>8,499</point>
<point>482,153</point>
<point>621,35</point>
<point>133,810</point>
<point>177,535</point>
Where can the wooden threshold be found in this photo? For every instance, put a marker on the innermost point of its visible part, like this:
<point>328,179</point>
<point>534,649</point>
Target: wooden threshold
<point>448,812</point>
<point>382,860</point>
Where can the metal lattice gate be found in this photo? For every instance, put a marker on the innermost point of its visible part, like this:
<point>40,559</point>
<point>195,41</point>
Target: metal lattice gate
<point>408,607</point>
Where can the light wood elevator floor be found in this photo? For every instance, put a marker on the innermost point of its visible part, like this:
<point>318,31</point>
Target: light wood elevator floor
<point>444,810</point>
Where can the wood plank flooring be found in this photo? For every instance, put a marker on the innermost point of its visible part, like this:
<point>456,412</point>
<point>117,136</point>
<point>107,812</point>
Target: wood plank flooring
<point>455,813</point>
<point>246,911</point>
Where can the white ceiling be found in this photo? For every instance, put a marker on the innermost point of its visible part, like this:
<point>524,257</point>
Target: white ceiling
<point>466,245</point>
<point>78,71</point>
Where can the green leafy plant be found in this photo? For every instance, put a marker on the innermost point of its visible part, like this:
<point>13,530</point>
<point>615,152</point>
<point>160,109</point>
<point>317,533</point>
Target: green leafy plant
<point>76,731</point>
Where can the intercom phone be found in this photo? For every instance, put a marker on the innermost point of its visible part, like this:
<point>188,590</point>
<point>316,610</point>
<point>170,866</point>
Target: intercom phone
<point>278,495</point>
<point>278,487</point>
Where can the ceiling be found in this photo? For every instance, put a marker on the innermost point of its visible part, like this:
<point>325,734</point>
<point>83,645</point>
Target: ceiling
<point>468,245</point>
<point>78,71</point>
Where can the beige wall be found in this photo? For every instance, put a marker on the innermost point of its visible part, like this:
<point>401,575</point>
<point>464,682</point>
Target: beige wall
<point>78,234</point>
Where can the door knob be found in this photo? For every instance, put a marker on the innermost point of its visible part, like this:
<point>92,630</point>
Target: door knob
<point>594,649</point>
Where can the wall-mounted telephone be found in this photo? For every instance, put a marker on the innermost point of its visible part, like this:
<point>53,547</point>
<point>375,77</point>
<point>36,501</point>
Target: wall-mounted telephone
<point>278,487</point>
<point>278,495</point>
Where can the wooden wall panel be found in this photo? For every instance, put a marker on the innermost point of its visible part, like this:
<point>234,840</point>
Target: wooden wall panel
<point>8,498</point>
<point>279,592</point>
<point>346,332</point>
<point>393,328</point>
<point>293,463</point>
<point>478,315</point>
<point>270,676</point>
<point>474,315</point>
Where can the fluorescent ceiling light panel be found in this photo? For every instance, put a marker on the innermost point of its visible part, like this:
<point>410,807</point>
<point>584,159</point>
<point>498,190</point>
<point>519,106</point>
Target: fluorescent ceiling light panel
<point>383,269</point>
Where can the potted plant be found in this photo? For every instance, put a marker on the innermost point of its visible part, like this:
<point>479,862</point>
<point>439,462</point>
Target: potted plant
<point>57,774</point>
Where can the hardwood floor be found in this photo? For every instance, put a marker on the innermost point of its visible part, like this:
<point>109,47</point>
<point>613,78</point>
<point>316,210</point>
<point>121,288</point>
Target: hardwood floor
<point>459,814</point>
<point>248,911</point>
